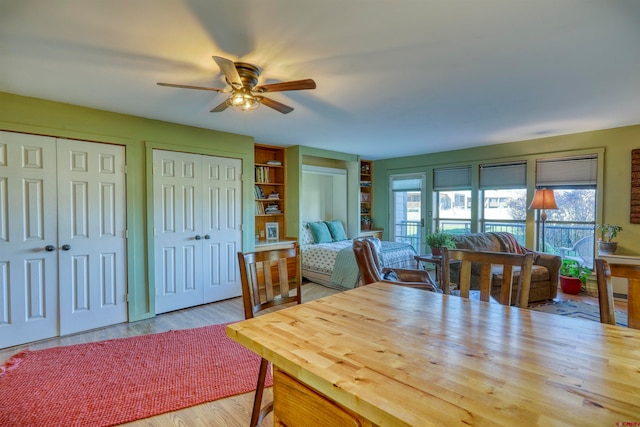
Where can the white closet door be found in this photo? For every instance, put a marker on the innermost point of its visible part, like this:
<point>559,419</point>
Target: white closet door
<point>222,182</point>
<point>177,195</point>
<point>28,255</point>
<point>197,228</point>
<point>91,235</point>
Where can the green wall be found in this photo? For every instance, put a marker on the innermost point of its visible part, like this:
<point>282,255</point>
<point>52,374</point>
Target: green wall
<point>614,178</point>
<point>139,136</point>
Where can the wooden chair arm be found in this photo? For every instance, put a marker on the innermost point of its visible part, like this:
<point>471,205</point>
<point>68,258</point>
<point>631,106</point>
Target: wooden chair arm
<point>412,278</point>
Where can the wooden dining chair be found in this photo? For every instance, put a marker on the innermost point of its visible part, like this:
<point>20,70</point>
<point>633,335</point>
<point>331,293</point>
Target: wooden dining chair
<point>604,272</point>
<point>490,263</point>
<point>269,279</point>
<point>367,257</point>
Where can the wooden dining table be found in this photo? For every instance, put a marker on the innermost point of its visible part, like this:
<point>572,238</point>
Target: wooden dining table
<point>389,355</point>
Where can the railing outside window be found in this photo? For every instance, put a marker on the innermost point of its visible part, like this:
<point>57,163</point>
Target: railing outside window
<point>558,236</point>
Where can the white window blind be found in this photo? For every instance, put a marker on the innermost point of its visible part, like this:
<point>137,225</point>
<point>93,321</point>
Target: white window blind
<point>452,178</point>
<point>567,172</point>
<point>503,176</point>
<point>406,183</point>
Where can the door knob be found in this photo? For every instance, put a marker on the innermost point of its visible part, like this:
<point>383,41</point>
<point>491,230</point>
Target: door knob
<point>207,237</point>
<point>66,247</point>
<point>198,237</point>
<point>49,248</point>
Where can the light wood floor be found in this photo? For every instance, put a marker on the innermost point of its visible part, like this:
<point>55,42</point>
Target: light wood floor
<point>232,411</point>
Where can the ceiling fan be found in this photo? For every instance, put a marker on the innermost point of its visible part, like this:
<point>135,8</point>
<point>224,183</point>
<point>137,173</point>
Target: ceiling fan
<point>245,95</point>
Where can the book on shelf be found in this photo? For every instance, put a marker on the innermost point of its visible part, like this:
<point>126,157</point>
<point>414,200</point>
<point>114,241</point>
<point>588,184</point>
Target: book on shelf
<point>272,209</point>
<point>262,174</point>
<point>259,192</point>
<point>274,162</point>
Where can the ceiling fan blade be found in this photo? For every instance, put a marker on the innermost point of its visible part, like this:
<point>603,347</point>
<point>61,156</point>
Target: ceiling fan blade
<point>278,106</point>
<point>190,87</point>
<point>292,85</point>
<point>221,107</point>
<point>229,70</point>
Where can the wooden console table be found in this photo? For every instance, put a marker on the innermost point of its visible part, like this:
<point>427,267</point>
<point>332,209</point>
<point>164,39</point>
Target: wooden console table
<point>389,355</point>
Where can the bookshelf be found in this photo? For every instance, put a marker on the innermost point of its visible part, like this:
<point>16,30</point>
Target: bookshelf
<point>269,187</point>
<point>366,200</point>
<point>366,171</point>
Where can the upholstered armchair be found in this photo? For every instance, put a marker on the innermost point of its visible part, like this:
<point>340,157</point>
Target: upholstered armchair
<point>367,253</point>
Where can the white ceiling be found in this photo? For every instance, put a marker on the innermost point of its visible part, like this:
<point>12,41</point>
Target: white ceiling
<point>394,77</point>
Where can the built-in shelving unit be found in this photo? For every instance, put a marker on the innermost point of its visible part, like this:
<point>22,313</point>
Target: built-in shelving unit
<point>366,200</point>
<point>270,191</point>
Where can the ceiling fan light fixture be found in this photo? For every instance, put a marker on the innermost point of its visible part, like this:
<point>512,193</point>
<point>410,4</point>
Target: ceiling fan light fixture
<point>242,100</point>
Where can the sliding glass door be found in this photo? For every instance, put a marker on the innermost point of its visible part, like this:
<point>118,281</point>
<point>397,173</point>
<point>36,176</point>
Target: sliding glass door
<point>407,219</point>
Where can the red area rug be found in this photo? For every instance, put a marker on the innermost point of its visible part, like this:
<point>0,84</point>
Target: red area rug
<point>121,380</point>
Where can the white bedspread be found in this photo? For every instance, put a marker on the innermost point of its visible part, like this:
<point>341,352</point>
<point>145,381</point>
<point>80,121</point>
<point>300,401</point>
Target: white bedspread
<point>321,259</point>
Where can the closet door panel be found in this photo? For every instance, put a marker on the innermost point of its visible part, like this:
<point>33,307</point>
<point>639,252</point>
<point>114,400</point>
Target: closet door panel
<point>91,231</point>
<point>222,216</point>
<point>177,230</point>
<point>28,223</point>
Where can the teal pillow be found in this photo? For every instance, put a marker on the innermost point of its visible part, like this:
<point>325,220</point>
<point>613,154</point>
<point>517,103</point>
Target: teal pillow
<point>337,230</point>
<point>320,232</point>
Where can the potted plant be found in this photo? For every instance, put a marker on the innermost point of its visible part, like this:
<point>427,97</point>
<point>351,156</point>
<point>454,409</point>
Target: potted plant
<point>437,240</point>
<point>573,276</point>
<point>365,222</point>
<point>605,244</point>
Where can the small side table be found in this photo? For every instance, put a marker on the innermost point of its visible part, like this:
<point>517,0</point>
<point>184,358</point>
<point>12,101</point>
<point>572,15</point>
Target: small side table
<point>435,260</point>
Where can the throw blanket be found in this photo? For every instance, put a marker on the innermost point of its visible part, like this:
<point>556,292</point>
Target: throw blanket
<point>345,270</point>
<point>508,242</point>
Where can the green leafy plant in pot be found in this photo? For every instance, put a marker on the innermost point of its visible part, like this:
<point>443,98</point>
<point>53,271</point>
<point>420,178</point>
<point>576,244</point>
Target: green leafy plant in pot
<point>437,240</point>
<point>573,276</point>
<point>605,244</point>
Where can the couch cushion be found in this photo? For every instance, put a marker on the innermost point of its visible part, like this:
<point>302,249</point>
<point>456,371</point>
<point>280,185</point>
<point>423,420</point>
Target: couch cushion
<point>538,274</point>
<point>540,285</point>
<point>477,242</point>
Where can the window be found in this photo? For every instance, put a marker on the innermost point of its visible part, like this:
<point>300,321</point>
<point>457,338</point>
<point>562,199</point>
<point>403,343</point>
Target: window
<point>503,190</point>
<point>570,229</point>
<point>452,193</point>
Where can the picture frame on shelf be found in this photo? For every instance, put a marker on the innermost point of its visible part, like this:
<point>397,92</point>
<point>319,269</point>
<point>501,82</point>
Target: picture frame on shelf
<point>272,230</point>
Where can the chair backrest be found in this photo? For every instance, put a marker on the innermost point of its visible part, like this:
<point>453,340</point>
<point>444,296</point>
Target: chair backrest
<point>269,278</point>
<point>487,260</point>
<point>584,249</point>
<point>604,272</point>
<point>367,260</point>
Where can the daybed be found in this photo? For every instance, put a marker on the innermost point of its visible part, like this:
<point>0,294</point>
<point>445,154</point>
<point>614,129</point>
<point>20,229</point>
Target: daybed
<point>544,274</point>
<point>333,264</point>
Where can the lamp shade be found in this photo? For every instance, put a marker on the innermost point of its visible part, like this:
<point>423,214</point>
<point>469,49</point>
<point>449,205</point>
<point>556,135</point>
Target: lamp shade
<point>543,199</point>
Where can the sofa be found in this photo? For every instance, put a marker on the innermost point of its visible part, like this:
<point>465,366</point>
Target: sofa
<point>544,274</point>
